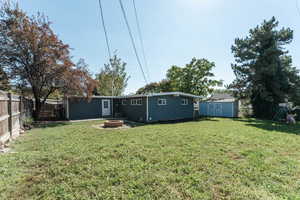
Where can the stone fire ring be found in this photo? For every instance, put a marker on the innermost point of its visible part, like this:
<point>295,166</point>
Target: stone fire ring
<point>113,124</point>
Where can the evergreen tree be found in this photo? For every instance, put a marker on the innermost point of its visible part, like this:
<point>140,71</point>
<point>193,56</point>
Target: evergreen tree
<point>263,68</point>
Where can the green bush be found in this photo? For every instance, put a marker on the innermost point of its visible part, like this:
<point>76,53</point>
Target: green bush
<point>297,112</point>
<point>28,122</point>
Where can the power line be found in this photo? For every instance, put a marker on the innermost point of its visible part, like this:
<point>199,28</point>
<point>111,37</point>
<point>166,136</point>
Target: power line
<point>141,38</point>
<point>107,45</point>
<point>105,31</point>
<point>298,7</point>
<point>132,40</point>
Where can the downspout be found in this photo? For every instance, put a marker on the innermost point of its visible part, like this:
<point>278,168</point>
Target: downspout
<point>67,110</point>
<point>147,108</point>
<point>112,107</point>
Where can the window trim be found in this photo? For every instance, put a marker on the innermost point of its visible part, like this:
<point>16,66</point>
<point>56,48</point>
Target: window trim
<point>136,102</point>
<point>124,102</point>
<point>163,100</point>
<point>184,102</point>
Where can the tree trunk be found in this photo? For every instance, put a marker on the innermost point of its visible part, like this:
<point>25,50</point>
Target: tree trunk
<point>38,108</point>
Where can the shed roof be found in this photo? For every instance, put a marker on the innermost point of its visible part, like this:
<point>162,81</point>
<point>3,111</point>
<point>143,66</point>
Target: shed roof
<point>221,96</point>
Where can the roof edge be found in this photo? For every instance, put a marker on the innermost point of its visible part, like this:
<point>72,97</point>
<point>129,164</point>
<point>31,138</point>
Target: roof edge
<point>144,95</point>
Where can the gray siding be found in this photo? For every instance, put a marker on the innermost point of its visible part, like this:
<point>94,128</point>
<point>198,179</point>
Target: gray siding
<point>134,112</point>
<point>219,109</point>
<point>81,108</point>
<point>172,111</point>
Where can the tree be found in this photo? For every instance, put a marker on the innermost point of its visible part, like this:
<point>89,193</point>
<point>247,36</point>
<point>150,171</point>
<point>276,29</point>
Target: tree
<point>113,78</point>
<point>195,78</point>
<point>263,68</point>
<point>294,92</point>
<point>156,87</point>
<point>4,81</point>
<point>149,88</point>
<point>34,57</point>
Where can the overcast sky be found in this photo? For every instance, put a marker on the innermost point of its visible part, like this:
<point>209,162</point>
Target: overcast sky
<point>174,31</point>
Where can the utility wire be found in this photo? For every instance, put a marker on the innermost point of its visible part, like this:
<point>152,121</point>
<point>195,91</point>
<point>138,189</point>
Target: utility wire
<point>104,28</point>
<point>107,45</point>
<point>132,40</point>
<point>298,7</point>
<point>141,39</point>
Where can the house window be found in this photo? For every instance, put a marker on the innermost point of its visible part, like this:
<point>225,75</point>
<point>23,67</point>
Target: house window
<point>139,102</point>
<point>184,102</point>
<point>136,102</point>
<point>162,102</point>
<point>105,104</point>
<point>124,102</point>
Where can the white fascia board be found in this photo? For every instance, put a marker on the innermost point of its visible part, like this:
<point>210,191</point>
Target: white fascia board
<point>175,94</point>
<point>145,95</point>
<point>93,97</point>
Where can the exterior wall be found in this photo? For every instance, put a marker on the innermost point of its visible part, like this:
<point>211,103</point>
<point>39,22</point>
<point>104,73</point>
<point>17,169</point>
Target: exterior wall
<point>134,112</point>
<point>172,111</point>
<point>219,109</point>
<point>81,108</point>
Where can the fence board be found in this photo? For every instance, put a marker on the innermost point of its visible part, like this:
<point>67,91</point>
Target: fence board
<point>13,111</point>
<point>4,118</point>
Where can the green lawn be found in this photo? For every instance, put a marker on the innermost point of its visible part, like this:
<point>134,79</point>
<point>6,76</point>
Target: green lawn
<point>208,159</point>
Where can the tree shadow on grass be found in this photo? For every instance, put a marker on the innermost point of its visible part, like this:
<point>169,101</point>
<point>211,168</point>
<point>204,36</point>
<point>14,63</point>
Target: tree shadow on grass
<point>272,126</point>
<point>133,124</point>
<point>50,124</point>
<point>207,119</point>
<point>179,121</point>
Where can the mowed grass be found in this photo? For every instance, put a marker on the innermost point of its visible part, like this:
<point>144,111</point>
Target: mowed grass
<point>207,159</point>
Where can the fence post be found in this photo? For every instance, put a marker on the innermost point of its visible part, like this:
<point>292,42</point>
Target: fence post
<point>9,95</point>
<point>21,113</point>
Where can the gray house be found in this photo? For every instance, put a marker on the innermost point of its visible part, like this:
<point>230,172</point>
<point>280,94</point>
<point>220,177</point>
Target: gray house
<point>141,108</point>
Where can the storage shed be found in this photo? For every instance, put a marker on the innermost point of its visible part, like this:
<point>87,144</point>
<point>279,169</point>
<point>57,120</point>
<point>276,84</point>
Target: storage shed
<point>220,105</point>
<point>219,109</point>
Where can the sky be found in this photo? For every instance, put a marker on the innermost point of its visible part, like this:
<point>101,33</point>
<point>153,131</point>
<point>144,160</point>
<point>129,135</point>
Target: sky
<point>174,31</point>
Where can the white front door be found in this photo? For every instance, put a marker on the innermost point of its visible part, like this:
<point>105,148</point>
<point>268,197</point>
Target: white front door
<point>106,107</point>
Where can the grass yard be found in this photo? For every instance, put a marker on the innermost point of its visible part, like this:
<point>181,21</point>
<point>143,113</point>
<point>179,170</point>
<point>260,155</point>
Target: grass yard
<point>208,159</point>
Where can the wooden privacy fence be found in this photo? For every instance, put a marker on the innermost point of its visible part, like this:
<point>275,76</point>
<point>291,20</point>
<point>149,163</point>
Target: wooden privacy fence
<point>13,112</point>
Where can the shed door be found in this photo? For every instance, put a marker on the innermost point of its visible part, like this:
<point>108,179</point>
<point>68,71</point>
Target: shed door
<point>211,109</point>
<point>218,110</point>
<point>215,110</point>
<point>106,108</point>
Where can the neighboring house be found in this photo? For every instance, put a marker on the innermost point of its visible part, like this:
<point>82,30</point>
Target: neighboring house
<point>141,108</point>
<point>220,105</point>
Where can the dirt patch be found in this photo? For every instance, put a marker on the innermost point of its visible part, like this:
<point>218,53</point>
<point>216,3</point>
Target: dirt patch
<point>6,150</point>
<point>127,125</point>
<point>101,126</point>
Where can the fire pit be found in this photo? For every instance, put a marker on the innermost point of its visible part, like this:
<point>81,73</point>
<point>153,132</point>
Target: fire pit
<point>113,124</point>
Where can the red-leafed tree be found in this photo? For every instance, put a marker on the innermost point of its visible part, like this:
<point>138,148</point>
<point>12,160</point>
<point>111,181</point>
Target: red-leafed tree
<point>33,56</point>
